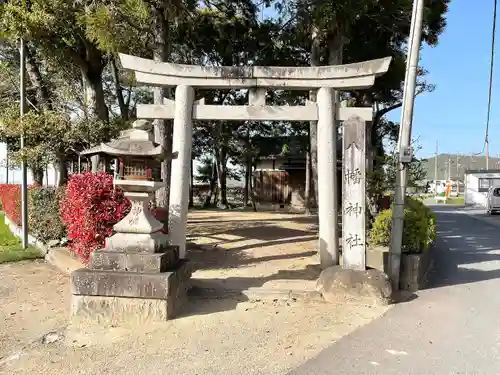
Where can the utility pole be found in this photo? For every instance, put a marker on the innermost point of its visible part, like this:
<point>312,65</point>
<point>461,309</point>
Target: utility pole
<point>449,168</point>
<point>487,152</point>
<point>436,170</point>
<point>24,182</point>
<point>404,142</point>
<point>492,63</point>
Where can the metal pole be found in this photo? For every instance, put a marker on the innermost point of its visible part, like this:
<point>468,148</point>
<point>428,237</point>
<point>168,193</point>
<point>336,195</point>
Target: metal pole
<point>7,165</point>
<point>436,170</point>
<point>405,141</point>
<point>487,152</point>
<point>408,57</point>
<point>492,63</point>
<point>449,168</point>
<point>24,169</point>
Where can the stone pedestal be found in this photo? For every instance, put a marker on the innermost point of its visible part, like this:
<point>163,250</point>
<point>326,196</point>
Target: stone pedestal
<point>138,276</point>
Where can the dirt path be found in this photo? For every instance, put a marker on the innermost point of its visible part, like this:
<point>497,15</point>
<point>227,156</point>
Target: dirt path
<point>33,300</point>
<point>227,336</point>
<point>255,249</point>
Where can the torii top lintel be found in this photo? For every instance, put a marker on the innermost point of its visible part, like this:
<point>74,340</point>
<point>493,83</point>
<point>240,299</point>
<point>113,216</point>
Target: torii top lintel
<point>350,76</point>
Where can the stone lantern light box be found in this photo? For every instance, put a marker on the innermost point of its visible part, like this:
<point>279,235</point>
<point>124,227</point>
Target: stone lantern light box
<point>137,268</point>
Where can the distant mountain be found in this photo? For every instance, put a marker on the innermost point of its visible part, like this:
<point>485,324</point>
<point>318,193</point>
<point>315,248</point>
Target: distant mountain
<point>464,162</point>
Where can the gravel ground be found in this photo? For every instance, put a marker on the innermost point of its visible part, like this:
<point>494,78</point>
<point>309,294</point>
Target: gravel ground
<point>227,336</point>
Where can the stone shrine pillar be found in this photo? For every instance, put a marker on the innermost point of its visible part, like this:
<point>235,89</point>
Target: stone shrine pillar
<point>327,178</point>
<point>182,142</point>
<point>354,194</point>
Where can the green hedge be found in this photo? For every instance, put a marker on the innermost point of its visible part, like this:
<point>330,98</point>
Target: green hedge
<point>44,220</point>
<point>419,227</point>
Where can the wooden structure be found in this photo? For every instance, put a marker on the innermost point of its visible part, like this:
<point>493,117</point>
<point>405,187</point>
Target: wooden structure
<point>279,180</point>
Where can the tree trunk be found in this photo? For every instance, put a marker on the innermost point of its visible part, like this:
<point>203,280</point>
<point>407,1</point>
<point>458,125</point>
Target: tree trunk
<point>252,193</point>
<point>220,163</point>
<point>213,183</point>
<point>307,190</point>
<point>162,128</point>
<point>248,170</point>
<point>246,189</point>
<point>33,70</point>
<point>63,169</point>
<point>95,104</point>
<point>118,90</point>
<point>37,175</point>
<point>191,185</point>
<point>94,94</point>
<point>313,125</point>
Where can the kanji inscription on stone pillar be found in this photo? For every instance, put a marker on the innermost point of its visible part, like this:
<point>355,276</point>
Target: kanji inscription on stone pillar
<point>354,194</point>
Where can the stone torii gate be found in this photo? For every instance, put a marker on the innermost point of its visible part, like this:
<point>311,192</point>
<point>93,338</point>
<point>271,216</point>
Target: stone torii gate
<point>184,109</point>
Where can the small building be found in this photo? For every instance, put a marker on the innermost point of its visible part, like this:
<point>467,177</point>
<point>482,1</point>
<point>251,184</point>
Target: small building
<point>477,183</point>
<point>279,177</point>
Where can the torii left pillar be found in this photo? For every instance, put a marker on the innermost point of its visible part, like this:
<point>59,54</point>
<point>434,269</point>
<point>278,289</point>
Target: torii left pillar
<point>182,141</point>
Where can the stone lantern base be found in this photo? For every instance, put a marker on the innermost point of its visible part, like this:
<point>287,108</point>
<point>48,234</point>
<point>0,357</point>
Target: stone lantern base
<point>136,277</point>
<point>122,286</point>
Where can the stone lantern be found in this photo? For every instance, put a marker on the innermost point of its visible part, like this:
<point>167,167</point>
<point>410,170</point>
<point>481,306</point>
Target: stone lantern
<point>137,273</point>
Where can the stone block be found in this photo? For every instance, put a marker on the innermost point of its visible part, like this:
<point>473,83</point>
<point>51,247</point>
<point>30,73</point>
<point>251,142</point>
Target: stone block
<point>135,262</point>
<point>137,242</point>
<point>414,266</point>
<point>119,310</point>
<point>122,309</point>
<point>378,258</point>
<point>371,287</point>
<point>91,282</point>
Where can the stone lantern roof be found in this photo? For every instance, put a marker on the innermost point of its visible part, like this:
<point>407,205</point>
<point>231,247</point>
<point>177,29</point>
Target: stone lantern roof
<point>138,141</point>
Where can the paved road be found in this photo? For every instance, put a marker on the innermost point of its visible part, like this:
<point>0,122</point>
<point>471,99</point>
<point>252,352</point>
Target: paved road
<point>453,327</point>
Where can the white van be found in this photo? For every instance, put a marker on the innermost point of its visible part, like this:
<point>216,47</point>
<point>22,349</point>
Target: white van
<point>493,200</point>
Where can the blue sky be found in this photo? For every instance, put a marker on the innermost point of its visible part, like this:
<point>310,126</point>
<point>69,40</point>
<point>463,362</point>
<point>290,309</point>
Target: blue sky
<point>455,113</point>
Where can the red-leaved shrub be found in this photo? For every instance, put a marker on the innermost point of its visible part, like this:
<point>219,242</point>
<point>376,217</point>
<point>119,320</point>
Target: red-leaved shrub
<point>90,207</point>
<point>10,197</point>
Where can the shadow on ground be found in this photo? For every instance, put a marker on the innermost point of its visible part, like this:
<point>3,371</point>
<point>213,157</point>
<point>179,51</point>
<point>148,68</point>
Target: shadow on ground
<point>242,254</point>
<point>235,243</point>
<point>467,251</point>
<point>231,291</point>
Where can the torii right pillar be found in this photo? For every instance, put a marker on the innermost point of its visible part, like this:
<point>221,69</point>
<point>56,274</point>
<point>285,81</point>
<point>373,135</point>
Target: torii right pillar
<point>327,178</point>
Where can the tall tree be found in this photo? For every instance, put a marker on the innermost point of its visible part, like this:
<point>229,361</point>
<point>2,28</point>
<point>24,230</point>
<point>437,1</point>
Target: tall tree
<point>346,32</point>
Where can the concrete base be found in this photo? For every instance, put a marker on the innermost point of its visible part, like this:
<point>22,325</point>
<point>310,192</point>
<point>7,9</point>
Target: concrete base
<point>414,270</point>
<point>371,287</point>
<point>414,266</point>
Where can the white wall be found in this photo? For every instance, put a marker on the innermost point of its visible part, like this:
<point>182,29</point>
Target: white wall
<point>473,197</point>
<point>50,177</point>
<point>266,164</point>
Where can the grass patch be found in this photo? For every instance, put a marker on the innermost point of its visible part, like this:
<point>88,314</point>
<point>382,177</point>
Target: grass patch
<point>10,246</point>
<point>455,200</point>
